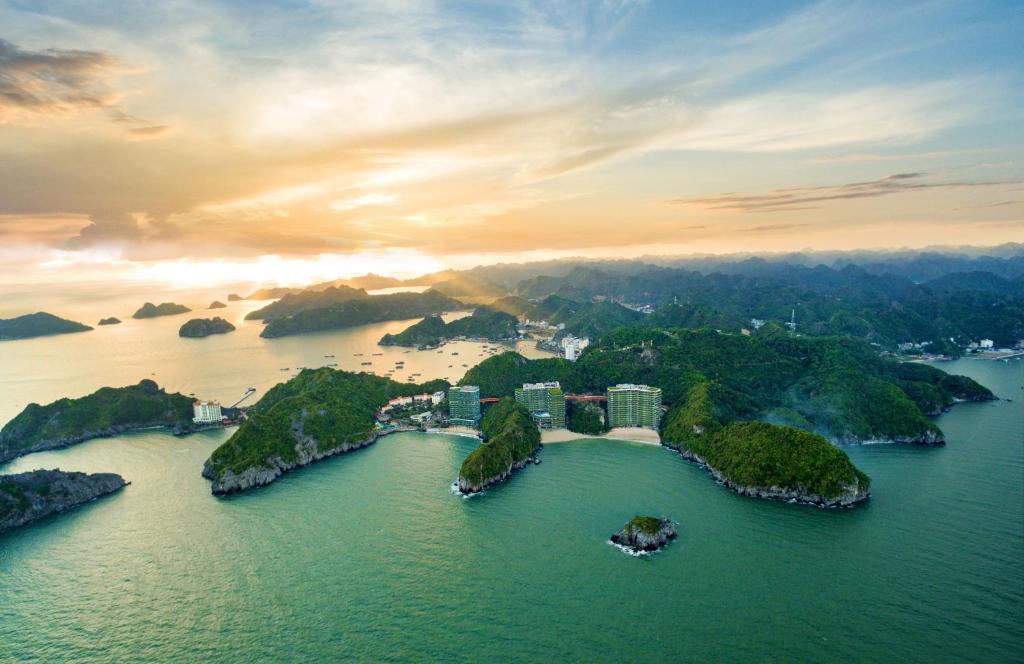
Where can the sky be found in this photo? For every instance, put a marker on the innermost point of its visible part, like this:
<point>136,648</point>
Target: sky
<point>291,141</point>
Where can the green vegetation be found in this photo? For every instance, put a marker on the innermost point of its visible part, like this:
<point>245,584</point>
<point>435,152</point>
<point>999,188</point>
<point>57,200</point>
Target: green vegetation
<point>512,439</point>
<point>585,417</point>
<point>649,525</point>
<point>108,410</point>
<point>203,327</point>
<point>37,325</point>
<point>317,412</point>
<point>837,387</point>
<point>484,323</point>
<point>150,310</point>
<point>109,321</point>
<point>757,454</point>
<point>350,312</point>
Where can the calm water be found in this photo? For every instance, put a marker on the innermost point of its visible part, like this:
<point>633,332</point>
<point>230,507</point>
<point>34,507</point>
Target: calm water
<point>218,367</point>
<point>369,556</point>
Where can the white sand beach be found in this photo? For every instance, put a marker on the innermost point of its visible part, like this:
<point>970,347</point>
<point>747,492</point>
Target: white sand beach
<point>628,434</point>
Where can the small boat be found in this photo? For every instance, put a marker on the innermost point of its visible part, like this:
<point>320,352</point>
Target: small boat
<point>357,354</point>
<point>285,368</point>
<point>328,356</point>
<point>366,364</point>
<point>455,353</point>
<point>377,354</point>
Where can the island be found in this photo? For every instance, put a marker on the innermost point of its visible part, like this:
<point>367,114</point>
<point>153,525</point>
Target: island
<point>342,307</point>
<point>484,323</point>
<point>109,321</point>
<point>106,412</point>
<point>645,534</point>
<point>39,324</point>
<point>150,310</point>
<point>217,304</point>
<point>204,327</point>
<point>28,497</point>
<point>317,414</point>
<point>235,297</point>
<point>511,441</point>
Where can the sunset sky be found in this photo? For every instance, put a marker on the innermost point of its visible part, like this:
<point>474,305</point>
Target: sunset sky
<point>294,141</point>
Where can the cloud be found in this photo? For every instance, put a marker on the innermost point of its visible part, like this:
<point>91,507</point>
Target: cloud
<point>808,198</point>
<point>51,83</point>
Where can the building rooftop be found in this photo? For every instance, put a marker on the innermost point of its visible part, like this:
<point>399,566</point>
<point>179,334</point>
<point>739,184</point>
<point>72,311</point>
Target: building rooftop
<point>632,386</point>
<point>541,386</point>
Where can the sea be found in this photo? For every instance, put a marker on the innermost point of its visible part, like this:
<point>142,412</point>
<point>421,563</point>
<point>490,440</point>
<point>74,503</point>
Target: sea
<point>371,556</point>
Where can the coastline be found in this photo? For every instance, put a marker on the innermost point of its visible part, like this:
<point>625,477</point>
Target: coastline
<point>623,434</point>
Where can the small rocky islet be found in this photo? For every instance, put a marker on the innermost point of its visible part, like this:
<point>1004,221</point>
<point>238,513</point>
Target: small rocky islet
<point>30,496</point>
<point>645,534</point>
<point>109,321</point>
<point>204,327</point>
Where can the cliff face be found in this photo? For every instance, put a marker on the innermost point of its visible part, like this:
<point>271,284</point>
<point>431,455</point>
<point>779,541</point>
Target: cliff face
<point>513,441</point>
<point>467,485</point>
<point>27,497</point>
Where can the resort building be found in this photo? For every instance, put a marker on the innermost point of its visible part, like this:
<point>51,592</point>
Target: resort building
<point>546,403</point>
<point>573,346</point>
<point>464,405</point>
<point>634,406</point>
<point>206,412</point>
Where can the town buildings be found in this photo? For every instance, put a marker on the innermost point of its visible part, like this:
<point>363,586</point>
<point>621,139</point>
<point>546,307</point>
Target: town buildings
<point>546,403</point>
<point>634,406</point>
<point>206,412</point>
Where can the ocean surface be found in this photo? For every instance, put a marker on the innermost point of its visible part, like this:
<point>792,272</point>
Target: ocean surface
<point>370,556</point>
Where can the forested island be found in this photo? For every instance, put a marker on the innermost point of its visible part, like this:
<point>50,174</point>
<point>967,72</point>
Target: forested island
<point>317,414</point>
<point>217,304</point>
<point>106,412</point>
<point>110,321</point>
<point>315,311</point>
<point>204,327</point>
<point>28,497</point>
<point>150,310</point>
<point>39,324</point>
<point>484,323</point>
<point>511,441</point>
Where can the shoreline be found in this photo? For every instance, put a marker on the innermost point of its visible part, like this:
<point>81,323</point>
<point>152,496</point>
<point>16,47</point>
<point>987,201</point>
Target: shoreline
<point>622,434</point>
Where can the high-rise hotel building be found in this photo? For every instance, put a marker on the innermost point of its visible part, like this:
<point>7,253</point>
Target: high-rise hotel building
<point>546,403</point>
<point>634,406</point>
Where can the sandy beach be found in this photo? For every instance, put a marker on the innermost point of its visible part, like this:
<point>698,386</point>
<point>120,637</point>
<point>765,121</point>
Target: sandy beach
<point>628,434</point>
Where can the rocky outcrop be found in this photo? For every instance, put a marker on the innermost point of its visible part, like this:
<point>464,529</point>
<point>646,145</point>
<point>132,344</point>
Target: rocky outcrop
<point>849,496</point>
<point>27,497</point>
<point>228,481</point>
<point>645,533</point>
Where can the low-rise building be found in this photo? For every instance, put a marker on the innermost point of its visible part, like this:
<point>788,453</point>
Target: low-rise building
<point>206,412</point>
<point>986,344</point>
<point>546,403</point>
<point>464,405</point>
<point>634,406</point>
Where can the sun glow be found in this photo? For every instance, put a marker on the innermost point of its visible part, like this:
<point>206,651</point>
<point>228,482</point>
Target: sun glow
<point>288,271</point>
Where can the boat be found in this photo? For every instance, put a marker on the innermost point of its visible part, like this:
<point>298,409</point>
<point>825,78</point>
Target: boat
<point>328,356</point>
<point>285,368</point>
<point>366,364</point>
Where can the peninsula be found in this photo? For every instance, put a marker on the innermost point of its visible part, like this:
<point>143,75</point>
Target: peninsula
<point>317,414</point>
<point>39,324</point>
<point>511,441</point>
<point>484,323</point>
<point>204,327</point>
<point>106,412</point>
<point>28,497</point>
<point>150,310</point>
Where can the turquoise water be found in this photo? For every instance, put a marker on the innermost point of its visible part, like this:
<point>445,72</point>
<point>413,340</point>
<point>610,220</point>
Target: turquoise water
<point>369,556</point>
